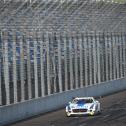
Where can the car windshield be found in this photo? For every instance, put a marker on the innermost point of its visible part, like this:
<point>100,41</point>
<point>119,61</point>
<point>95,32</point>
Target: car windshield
<point>82,101</point>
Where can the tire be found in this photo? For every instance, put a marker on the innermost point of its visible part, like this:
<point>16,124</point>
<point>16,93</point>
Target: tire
<point>99,112</point>
<point>92,113</point>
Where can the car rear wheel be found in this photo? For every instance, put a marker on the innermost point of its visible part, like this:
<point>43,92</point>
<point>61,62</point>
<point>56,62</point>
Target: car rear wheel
<point>99,112</point>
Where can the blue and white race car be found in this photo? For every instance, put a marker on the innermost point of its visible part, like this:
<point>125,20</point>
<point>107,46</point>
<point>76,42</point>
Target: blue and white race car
<point>83,106</point>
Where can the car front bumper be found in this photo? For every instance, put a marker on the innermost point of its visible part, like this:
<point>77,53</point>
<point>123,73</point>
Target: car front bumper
<point>81,112</point>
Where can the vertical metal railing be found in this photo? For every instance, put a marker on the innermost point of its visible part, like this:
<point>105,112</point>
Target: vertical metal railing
<point>114,55</point>
<point>1,52</point>
<point>90,74</point>
<point>42,64</point>
<point>35,64</point>
<point>67,61</point>
<point>98,58</point>
<point>110,56</point>
<point>71,61</point>
<point>14,68</point>
<point>0,86</point>
<point>85,59</point>
<point>6,66</point>
<point>76,60</point>
<point>28,66</point>
<point>0,83</point>
<point>120,55</point>
<point>48,64</point>
<point>22,81</point>
<point>124,52</point>
<point>95,65</point>
<point>117,55</point>
<point>81,57</point>
<point>58,36</point>
<point>106,56</point>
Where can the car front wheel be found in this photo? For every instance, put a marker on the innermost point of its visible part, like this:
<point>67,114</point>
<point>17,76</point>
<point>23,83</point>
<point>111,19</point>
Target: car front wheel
<point>68,114</point>
<point>92,113</point>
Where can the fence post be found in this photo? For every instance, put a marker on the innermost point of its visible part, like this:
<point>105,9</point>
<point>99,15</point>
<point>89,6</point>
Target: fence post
<point>35,64</point>
<point>28,66</point>
<point>22,68</point>
<point>110,55</point>
<point>98,58</point>
<point>42,66</point>
<point>14,67</point>
<point>106,55</point>
<point>86,59</point>
<point>71,61</point>
<point>6,66</point>
<point>48,63</point>
<point>76,58</point>
<point>58,36</point>
<point>66,63</point>
<point>94,58</point>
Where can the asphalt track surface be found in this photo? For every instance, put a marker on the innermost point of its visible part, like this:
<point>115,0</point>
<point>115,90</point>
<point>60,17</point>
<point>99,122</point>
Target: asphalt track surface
<point>113,114</point>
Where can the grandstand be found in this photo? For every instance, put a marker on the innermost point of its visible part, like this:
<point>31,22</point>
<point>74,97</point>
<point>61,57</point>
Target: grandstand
<point>51,46</point>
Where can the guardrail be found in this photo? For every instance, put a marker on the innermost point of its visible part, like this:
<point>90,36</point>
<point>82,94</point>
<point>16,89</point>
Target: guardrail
<point>19,111</point>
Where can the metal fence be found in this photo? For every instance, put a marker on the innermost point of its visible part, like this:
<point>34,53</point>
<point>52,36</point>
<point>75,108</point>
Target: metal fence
<point>35,64</point>
<point>51,46</point>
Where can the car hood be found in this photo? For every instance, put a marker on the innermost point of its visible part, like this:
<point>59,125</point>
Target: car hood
<point>80,106</point>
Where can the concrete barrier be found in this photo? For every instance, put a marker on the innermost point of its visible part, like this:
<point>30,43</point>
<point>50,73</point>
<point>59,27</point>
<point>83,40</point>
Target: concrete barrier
<point>19,111</point>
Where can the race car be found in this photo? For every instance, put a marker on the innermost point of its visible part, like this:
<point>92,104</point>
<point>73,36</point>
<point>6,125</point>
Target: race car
<point>83,106</point>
